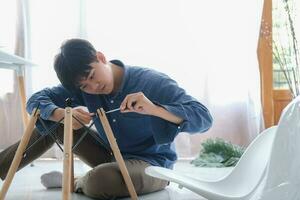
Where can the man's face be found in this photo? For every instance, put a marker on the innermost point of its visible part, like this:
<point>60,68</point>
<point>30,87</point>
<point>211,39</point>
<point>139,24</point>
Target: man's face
<point>99,80</point>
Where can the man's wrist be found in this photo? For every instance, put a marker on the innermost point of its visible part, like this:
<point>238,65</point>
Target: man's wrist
<point>161,112</point>
<point>57,114</point>
<point>157,110</point>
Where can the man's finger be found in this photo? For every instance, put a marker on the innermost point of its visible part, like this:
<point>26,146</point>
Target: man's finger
<point>136,105</point>
<point>130,103</point>
<point>84,112</point>
<point>124,103</point>
<point>83,118</point>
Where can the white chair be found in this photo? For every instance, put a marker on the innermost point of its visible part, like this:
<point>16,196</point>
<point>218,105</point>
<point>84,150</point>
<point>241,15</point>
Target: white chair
<point>268,170</point>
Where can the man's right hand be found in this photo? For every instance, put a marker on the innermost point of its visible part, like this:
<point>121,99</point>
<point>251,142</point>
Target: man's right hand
<point>79,112</point>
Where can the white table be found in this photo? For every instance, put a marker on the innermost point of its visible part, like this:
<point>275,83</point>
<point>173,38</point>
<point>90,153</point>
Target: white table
<point>17,63</point>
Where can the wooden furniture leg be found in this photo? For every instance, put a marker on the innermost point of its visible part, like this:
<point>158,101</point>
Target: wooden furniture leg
<point>68,158</point>
<point>72,173</point>
<point>117,153</point>
<point>21,84</point>
<point>19,154</point>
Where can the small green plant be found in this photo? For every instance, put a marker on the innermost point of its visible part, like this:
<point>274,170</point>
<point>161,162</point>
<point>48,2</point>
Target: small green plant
<point>218,153</point>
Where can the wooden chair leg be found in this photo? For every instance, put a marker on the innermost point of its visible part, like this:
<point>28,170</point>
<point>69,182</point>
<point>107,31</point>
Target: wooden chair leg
<point>68,158</point>
<point>117,153</point>
<point>72,173</point>
<point>19,154</point>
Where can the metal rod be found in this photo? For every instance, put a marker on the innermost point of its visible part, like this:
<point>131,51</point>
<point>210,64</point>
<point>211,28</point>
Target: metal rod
<point>114,110</point>
<point>50,133</point>
<point>93,135</point>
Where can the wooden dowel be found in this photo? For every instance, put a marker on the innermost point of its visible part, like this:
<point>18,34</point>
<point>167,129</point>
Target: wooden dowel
<point>21,83</point>
<point>67,166</point>
<point>19,154</point>
<point>117,153</point>
<point>72,173</point>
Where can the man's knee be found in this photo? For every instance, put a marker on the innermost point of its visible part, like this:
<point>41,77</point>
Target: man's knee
<point>104,184</point>
<point>107,182</point>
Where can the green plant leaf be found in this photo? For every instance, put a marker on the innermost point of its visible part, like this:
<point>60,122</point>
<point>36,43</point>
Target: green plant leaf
<point>218,153</point>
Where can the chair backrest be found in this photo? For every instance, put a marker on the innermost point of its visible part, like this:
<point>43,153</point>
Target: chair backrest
<point>251,168</point>
<point>272,155</point>
<point>271,160</point>
<point>284,164</point>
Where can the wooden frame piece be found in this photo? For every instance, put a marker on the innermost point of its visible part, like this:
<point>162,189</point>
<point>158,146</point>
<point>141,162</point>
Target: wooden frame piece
<point>265,59</point>
<point>68,162</point>
<point>19,153</point>
<point>21,83</point>
<point>117,153</point>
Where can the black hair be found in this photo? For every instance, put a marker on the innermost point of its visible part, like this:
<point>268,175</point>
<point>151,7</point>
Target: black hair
<point>73,61</point>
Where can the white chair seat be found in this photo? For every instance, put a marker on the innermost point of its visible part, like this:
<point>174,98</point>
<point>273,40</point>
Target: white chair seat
<point>267,170</point>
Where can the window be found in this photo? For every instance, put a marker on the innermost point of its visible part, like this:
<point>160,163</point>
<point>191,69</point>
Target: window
<point>284,62</point>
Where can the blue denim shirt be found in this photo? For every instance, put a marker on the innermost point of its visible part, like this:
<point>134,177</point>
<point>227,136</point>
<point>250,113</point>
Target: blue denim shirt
<point>144,137</point>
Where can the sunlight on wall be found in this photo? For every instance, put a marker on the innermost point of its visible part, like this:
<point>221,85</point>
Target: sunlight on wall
<point>191,42</point>
<point>48,31</point>
<point>194,42</point>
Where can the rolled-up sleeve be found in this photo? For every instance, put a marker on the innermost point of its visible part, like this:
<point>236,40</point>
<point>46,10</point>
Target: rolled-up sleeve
<point>196,117</point>
<point>49,99</point>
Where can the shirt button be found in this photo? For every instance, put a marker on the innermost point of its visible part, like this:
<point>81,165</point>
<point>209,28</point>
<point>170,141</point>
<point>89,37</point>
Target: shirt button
<point>178,127</point>
<point>111,101</point>
<point>114,120</point>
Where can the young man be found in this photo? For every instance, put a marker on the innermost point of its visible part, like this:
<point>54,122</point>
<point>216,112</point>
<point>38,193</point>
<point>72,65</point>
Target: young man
<point>153,110</point>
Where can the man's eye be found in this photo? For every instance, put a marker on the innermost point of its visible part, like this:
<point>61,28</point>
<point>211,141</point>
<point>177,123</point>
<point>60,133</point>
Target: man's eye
<point>92,76</point>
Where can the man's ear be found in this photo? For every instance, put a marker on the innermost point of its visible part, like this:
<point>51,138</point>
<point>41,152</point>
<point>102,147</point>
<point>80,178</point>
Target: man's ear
<point>101,57</point>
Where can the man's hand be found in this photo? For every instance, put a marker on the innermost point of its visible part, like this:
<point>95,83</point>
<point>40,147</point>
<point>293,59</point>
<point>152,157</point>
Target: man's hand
<point>82,115</point>
<point>138,102</point>
<point>79,112</point>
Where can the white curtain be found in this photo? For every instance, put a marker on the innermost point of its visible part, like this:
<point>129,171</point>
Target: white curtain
<point>209,47</point>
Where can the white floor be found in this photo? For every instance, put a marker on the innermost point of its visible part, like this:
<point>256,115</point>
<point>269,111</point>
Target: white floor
<point>26,184</point>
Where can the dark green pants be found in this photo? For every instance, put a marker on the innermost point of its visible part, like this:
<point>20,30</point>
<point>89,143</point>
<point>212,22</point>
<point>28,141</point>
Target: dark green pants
<point>103,181</point>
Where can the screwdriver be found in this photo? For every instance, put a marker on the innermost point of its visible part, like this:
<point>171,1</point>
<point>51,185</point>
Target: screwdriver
<point>117,109</point>
<point>114,110</point>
